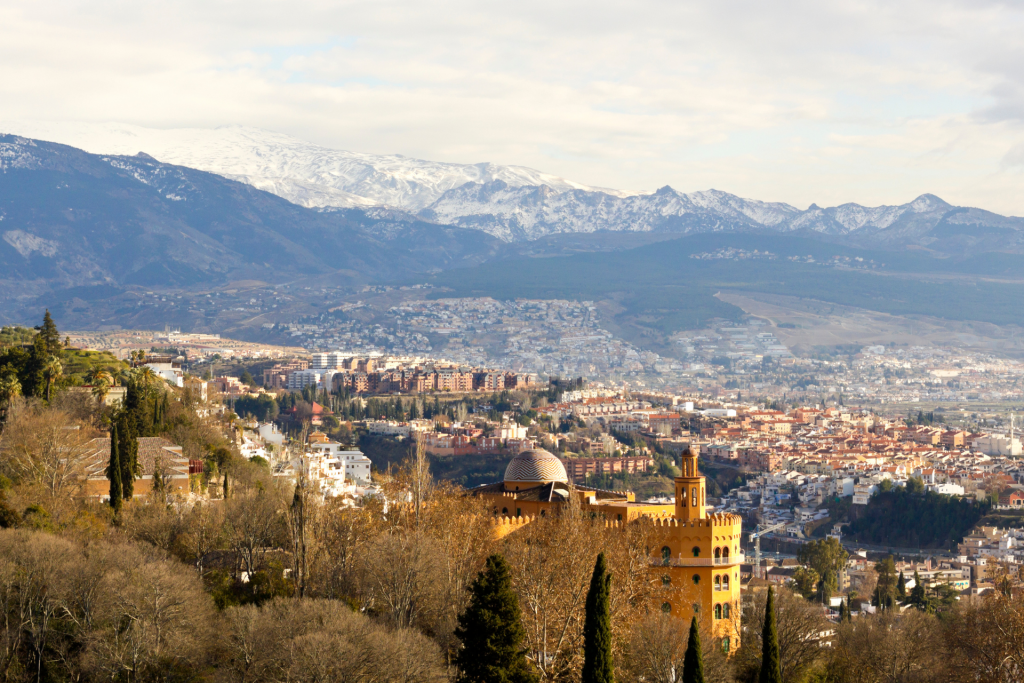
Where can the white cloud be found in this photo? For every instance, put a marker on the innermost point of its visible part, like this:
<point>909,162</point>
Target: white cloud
<point>794,101</point>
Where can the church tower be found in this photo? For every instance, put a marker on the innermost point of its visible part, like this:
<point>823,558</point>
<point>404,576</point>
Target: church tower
<point>695,560</point>
<point>690,503</point>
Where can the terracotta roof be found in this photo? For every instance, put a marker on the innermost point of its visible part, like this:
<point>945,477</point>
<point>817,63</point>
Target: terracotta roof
<point>150,449</point>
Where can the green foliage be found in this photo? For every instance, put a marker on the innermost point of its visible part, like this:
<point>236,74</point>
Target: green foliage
<point>886,589</point>
<point>771,664</point>
<point>693,661</point>
<point>16,336</point>
<point>263,407</point>
<point>491,631</point>
<point>597,628</point>
<point>114,470</point>
<point>900,518</point>
<point>827,558</point>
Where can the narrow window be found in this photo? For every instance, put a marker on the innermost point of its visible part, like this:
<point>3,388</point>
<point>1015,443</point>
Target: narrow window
<point>725,645</point>
<point>696,579</point>
<point>504,511</point>
<point>693,493</point>
<point>666,580</point>
<point>718,611</point>
<point>725,582</point>
<point>725,611</point>
<point>666,555</point>
<point>718,583</point>
<point>696,551</point>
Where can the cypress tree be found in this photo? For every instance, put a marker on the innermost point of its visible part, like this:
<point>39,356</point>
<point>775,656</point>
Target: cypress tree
<point>771,668</point>
<point>491,632</point>
<point>693,662</point>
<point>114,471</point>
<point>901,586</point>
<point>597,629</point>
<point>128,447</point>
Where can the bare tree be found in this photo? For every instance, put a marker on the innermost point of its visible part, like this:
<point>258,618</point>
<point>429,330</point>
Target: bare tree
<point>45,448</point>
<point>985,639</point>
<point>800,626</point>
<point>891,648</point>
<point>254,523</point>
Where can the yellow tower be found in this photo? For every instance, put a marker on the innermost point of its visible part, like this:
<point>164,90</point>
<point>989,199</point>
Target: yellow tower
<point>697,560</point>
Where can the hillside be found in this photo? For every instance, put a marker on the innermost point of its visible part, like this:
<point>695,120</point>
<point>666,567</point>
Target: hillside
<point>73,219</point>
<point>518,204</point>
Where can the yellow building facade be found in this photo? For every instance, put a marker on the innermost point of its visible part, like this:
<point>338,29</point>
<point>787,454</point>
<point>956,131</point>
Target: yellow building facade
<point>695,557</point>
<point>696,560</point>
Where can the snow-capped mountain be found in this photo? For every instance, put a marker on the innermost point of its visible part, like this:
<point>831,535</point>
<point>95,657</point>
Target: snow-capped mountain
<point>527,213</point>
<point>301,172</point>
<point>513,203</point>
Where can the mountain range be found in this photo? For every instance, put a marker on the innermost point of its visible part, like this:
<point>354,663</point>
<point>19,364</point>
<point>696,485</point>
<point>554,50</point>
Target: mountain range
<point>517,204</point>
<point>69,219</point>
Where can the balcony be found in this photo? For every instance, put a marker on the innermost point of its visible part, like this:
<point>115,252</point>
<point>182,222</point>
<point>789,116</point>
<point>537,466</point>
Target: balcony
<point>730,561</point>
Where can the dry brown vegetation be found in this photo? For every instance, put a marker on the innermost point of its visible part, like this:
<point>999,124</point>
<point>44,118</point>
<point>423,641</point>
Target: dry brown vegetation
<point>277,584</point>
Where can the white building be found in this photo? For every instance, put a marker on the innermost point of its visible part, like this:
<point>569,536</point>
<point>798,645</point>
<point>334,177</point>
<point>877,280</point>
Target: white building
<point>335,459</point>
<point>169,369</point>
<point>300,379</point>
<point>998,444</point>
<point>327,361</point>
<point>269,432</point>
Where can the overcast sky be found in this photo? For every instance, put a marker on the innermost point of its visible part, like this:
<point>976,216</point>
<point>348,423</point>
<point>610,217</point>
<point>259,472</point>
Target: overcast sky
<point>826,102</point>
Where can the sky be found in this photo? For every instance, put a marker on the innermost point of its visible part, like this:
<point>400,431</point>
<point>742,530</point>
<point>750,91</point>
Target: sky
<point>795,101</point>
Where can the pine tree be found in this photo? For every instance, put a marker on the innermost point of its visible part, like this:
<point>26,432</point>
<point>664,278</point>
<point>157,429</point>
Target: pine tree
<point>50,336</point>
<point>491,631</point>
<point>597,630</point>
<point>114,471</point>
<point>771,668</point>
<point>901,587</point>
<point>693,662</point>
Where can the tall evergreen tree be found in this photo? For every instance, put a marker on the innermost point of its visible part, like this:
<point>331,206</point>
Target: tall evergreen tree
<point>771,666</point>
<point>901,587</point>
<point>491,631</point>
<point>597,628</point>
<point>50,336</point>
<point>693,662</point>
<point>128,447</point>
<point>114,471</point>
<point>918,596</point>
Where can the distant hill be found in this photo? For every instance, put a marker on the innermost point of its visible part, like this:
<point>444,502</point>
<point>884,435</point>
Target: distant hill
<point>518,204</point>
<point>73,219</point>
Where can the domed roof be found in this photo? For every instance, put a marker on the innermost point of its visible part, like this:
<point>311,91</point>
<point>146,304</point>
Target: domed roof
<point>536,465</point>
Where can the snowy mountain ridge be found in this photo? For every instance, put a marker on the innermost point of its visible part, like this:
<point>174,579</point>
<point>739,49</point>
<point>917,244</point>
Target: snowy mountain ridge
<point>512,203</point>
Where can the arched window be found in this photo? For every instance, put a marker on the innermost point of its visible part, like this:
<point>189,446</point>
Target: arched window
<point>725,611</point>
<point>718,553</point>
<point>666,555</point>
<point>725,552</point>
<point>693,493</point>
<point>666,607</point>
<point>725,582</point>
<point>718,611</point>
<point>696,579</point>
<point>696,608</point>
<point>725,645</point>
<point>504,511</point>
<point>718,583</point>
<point>696,551</point>
<point>666,580</point>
